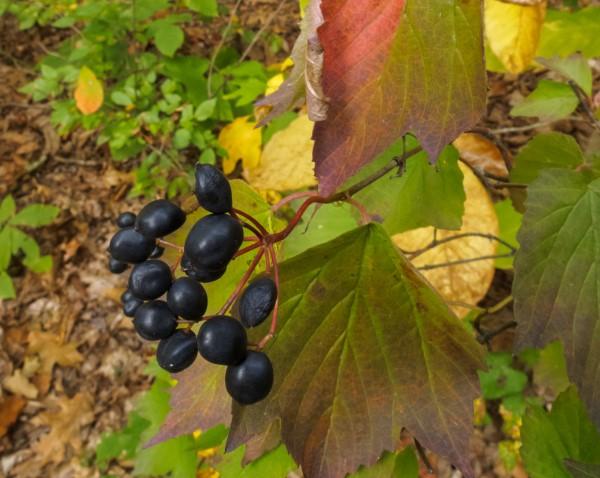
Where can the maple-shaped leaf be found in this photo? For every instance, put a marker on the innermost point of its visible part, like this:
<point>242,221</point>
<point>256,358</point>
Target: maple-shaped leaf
<point>304,81</point>
<point>89,93</point>
<point>392,67</point>
<point>364,348</point>
<point>557,283</point>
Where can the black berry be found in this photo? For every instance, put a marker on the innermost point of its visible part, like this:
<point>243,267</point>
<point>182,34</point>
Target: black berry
<point>213,241</point>
<point>126,219</point>
<point>131,306</point>
<point>187,299</point>
<point>257,301</point>
<point>116,266</point>
<point>177,352</point>
<point>151,279</point>
<point>157,252</point>
<point>222,340</point>
<point>212,189</point>
<point>154,320</point>
<point>159,218</point>
<point>126,296</point>
<point>200,274</point>
<point>250,381</point>
<point>128,245</point>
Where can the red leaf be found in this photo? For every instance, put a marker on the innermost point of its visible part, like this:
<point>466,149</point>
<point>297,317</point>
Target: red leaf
<point>393,67</point>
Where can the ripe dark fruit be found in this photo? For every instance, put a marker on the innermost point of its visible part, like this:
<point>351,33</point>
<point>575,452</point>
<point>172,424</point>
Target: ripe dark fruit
<point>115,266</point>
<point>159,218</point>
<point>126,219</point>
<point>257,301</point>
<point>200,274</point>
<point>131,306</point>
<point>126,296</point>
<point>177,352</point>
<point>250,381</point>
<point>128,245</point>
<point>212,189</point>
<point>157,252</point>
<point>149,280</point>
<point>187,299</point>
<point>222,340</point>
<point>213,241</point>
<point>154,320</point>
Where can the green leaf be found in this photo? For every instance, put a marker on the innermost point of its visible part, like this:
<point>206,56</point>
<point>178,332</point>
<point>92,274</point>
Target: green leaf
<point>144,9</point>
<point>7,208</point>
<point>182,138</point>
<point>168,38</point>
<point>509,221</point>
<point>501,379</point>
<point>208,8</point>
<point>582,470</point>
<point>550,150</point>
<point>549,101</point>
<point>550,369</point>
<point>7,290</point>
<point>565,32</point>
<point>120,98</point>
<point>35,215</point>
<point>564,432</point>
<point>364,348</point>
<point>392,465</point>
<point>122,443</point>
<point>574,67</point>
<point>276,463</point>
<point>424,195</point>
<point>208,157</point>
<point>205,109</point>
<point>6,249</point>
<point>557,284</point>
<point>327,222</point>
<point>38,264</point>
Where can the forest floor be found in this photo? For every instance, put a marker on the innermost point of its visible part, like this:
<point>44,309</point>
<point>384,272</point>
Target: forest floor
<point>70,363</point>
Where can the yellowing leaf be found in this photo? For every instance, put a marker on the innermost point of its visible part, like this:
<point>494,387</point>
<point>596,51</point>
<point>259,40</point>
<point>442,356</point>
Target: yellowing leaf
<point>286,162</point>
<point>242,141</point>
<point>89,93</point>
<point>469,282</point>
<point>479,152</point>
<point>274,83</point>
<point>513,32</point>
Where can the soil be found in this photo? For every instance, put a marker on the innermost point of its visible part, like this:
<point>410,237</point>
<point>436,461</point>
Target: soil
<point>96,362</point>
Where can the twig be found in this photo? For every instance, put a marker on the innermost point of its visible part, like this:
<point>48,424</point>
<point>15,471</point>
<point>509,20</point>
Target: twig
<point>423,455</point>
<point>162,242</point>
<point>217,50</point>
<point>242,282</point>
<point>265,340</point>
<point>292,197</point>
<point>585,104</point>
<point>490,311</point>
<point>428,267</point>
<point>488,336</point>
<point>436,242</point>
<point>260,32</point>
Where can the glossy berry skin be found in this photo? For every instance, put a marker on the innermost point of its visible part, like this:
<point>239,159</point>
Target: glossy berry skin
<point>257,301</point>
<point>250,381</point>
<point>222,340</point>
<point>151,279</point>
<point>159,218</point>
<point>212,189</point>
<point>154,320</point>
<point>126,296</point>
<point>177,352</point>
<point>213,241</point>
<point>128,245</point>
<point>131,306</point>
<point>199,274</point>
<point>126,219</point>
<point>115,266</point>
<point>187,299</point>
<point>157,252</point>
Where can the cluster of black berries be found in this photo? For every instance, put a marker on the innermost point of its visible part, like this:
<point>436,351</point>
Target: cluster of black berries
<point>209,247</point>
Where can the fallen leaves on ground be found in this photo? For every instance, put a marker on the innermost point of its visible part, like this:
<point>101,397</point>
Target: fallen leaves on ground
<point>10,409</point>
<point>51,351</point>
<point>286,163</point>
<point>480,153</point>
<point>468,282</point>
<point>513,32</point>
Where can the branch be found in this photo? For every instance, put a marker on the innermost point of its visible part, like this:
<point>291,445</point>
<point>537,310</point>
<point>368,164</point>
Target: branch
<point>436,242</point>
<point>585,104</point>
<point>428,267</point>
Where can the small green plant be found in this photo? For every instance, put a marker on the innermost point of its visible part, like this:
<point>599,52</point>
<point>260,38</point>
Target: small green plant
<point>15,242</point>
<point>151,101</point>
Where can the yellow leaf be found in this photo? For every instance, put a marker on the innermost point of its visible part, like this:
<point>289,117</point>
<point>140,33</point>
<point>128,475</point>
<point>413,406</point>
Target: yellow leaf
<point>242,141</point>
<point>479,152</point>
<point>513,32</point>
<point>286,162</point>
<point>274,83</point>
<point>89,93</point>
<point>469,282</point>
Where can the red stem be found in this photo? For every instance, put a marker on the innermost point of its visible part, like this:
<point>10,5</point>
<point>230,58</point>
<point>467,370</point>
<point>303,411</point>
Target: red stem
<point>273,327</point>
<point>249,248</point>
<point>257,224</point>
<point>242,282</point>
